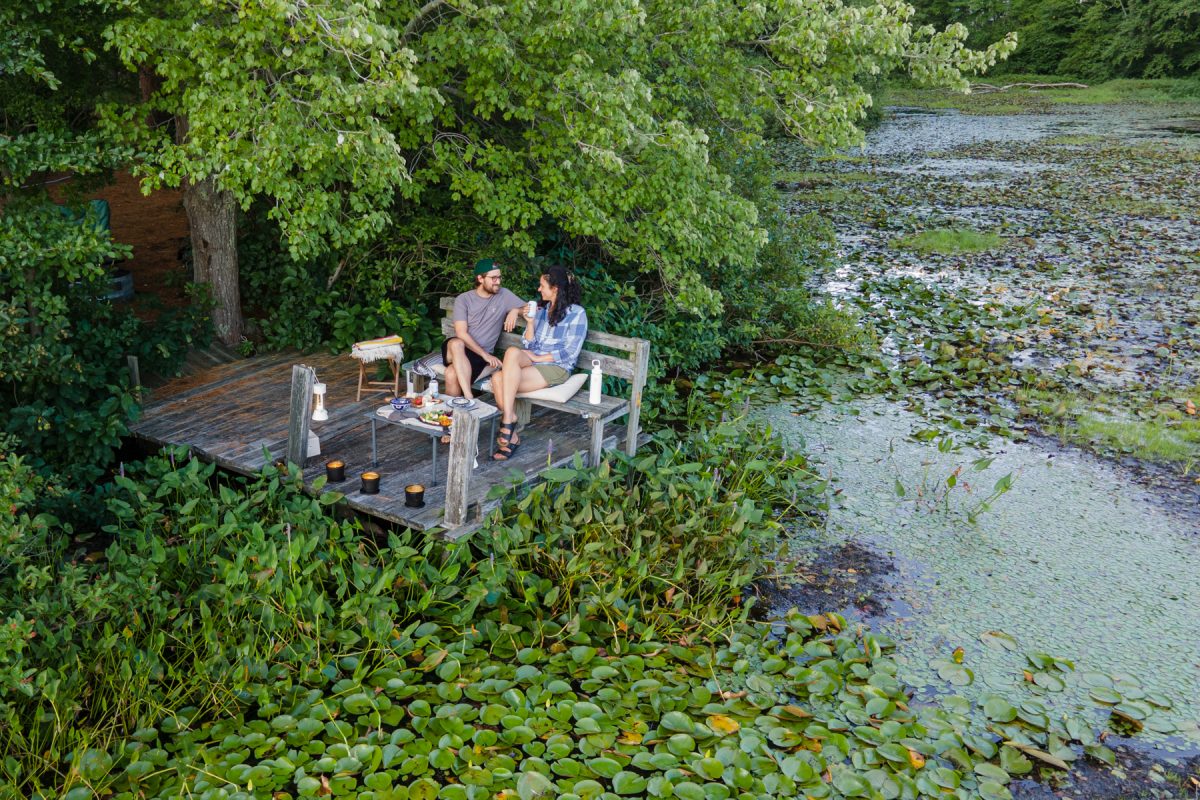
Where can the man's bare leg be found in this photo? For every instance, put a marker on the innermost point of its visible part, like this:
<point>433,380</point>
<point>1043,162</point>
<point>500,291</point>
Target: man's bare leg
<point>458,371</point>
<point>451,385</point>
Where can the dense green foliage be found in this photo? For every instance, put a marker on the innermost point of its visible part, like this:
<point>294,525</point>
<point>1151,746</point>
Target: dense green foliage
<point>209,580</point>
<point>498,127</point>
<point>377,149</point>
<point>236,640</point>
<point>63,370</point>
<point>1094,41</point>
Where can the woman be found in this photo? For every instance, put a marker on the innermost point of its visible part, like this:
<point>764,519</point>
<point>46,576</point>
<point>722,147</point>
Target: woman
<point>553,338</point>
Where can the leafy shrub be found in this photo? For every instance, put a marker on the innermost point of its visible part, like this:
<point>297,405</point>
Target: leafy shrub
<point>675,535</point>
<point>201,584</point>
<point>336,300</point>
<point>63,360</point>
<point>355,322</point>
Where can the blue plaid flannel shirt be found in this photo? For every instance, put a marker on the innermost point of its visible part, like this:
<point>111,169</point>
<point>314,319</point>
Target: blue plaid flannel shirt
<point>564,340</point>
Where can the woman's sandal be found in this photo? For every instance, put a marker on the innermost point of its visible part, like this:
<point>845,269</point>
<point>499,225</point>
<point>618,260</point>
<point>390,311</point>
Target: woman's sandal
<point>507,429</point>
<point>506,451</point>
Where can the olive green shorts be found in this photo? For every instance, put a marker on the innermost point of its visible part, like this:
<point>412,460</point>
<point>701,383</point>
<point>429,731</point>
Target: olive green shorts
<point>553,373</point>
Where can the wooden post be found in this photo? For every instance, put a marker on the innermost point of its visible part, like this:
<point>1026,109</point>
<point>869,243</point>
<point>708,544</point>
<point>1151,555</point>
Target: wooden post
<point>524,410</point>
<point>135,375</point>
<point>641,365</point>
<point>303,378</point>
<point>464,445</point>
<point>596,426</point>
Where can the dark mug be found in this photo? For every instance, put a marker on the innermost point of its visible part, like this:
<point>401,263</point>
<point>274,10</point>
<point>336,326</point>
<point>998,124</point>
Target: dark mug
<point>335,471</point>
<point>370,483</point>
<point>414,495</point>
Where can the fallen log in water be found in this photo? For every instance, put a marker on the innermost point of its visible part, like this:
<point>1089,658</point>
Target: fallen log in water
<point>988,88</point>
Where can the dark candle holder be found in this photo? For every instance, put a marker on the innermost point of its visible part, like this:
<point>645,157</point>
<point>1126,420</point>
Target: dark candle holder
<point>414,495</point>
<point>370,483</point>
<point>335,471</point>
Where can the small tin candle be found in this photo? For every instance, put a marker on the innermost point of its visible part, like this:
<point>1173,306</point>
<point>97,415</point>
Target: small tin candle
<point>414,495</point>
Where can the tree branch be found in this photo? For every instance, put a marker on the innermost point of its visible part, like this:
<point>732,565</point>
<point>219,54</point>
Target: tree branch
<point>422,12</point>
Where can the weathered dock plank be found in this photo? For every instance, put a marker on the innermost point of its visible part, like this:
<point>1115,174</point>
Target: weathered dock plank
<point>231,412</point>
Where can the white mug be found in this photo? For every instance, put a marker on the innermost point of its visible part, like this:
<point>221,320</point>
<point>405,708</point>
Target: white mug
<point>531,308</point>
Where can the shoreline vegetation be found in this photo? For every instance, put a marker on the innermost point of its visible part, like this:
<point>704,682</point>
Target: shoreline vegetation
<point>1184,92</point>
<point>234,638</point>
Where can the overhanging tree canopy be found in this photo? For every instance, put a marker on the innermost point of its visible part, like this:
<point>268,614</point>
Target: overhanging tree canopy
<point>595,116</point>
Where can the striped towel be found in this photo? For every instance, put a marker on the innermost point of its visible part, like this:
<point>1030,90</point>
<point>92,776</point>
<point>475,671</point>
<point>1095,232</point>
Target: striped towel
<point>376,349</point>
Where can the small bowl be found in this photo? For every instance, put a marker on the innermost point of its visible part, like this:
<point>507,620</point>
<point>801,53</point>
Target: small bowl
<point>401,403</point>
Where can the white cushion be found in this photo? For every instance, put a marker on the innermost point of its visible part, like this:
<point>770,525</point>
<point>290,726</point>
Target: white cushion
<point>561,393</point>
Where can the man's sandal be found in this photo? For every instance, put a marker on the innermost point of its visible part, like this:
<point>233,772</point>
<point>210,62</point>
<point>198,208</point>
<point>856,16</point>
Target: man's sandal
<point>506,451</point>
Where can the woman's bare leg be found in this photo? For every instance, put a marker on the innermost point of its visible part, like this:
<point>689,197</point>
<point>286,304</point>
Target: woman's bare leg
<point>531,380</point>
<point>515,362</point>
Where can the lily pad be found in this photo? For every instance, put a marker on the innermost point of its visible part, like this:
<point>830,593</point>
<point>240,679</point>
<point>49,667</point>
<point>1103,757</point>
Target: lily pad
<point>998,709</point>
<point>1049,681</point>
<point>1096,679</point>
<point>1103,695</point>
<point>1158,700</point>
<point>993,790</point>
<point>627,783</point>
<point>991,772</point>
<point>998,639</point>
<point>952,672</point>
<point>532,785</point>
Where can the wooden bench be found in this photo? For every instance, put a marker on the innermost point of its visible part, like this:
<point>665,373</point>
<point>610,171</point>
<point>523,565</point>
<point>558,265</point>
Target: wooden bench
<point>625,358</point>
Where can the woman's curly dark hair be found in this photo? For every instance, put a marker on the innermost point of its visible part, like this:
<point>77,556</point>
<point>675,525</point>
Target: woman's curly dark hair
<point>569,292</point>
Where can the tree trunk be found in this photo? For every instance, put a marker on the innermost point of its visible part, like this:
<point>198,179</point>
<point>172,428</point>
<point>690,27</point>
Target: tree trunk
<point>212,216</point>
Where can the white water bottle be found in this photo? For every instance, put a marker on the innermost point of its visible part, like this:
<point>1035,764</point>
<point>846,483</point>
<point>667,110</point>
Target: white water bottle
<point>433,388</point>
<point>596,383</point>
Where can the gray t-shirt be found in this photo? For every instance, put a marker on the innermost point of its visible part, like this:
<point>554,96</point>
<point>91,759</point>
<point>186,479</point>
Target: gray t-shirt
<point>485,315</point>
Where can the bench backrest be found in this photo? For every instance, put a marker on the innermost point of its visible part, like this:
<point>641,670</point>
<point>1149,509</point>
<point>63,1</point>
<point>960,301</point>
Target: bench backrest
<point>630,362</point>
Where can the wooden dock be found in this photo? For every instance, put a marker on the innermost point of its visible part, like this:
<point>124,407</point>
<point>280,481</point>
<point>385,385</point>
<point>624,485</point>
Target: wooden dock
<point>236,414</point>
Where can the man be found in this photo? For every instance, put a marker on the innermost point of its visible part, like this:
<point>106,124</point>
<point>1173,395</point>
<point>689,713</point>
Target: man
<point>478,318</point>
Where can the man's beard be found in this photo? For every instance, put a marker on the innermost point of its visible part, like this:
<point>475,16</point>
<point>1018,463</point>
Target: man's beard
<point>489,288</point>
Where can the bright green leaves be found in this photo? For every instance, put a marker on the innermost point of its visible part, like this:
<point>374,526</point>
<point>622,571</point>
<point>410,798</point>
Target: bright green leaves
<point>516,701</point>
<point>600,118</point>
<point>292,103</point>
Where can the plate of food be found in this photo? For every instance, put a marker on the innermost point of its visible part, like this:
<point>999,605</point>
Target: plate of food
<point>443,418</point>
<point>384,411</point>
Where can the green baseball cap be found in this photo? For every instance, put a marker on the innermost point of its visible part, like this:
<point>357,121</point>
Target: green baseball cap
<point>485,265</point>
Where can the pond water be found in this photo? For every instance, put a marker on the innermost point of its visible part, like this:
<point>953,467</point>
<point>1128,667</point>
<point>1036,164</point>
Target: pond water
<point>1075,561</point>
<point>1095,293</point>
